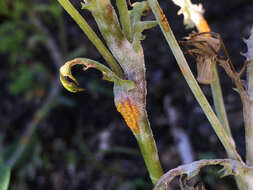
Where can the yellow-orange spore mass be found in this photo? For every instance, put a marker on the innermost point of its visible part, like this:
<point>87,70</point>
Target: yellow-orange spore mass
<point>130,114</point>
<point>163,20</point>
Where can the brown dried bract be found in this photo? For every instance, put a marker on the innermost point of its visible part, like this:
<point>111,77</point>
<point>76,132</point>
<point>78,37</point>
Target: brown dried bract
<point>204,47</point>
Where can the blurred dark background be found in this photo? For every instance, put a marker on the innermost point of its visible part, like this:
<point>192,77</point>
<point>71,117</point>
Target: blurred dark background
<point>61,141</point>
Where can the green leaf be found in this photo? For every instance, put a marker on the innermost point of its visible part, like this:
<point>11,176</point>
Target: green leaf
<point>89,5</point>
<point>25,78</point>
<point>5,173</point>
<point>4,8</point>
<point>139,26</point>
<point>72,86</point>
<point>52,8</point>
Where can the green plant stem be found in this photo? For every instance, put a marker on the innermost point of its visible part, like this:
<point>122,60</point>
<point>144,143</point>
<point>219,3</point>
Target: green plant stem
<point>148,149</point>
<point>242,183</point>
<point>92,36</point>
<point>248,116</point>
<point>124,19</point>
<point>227,141</point>
<point>219,103</point>
<point>39,116</point>
<point>132,63</point>
<point>222,116</point>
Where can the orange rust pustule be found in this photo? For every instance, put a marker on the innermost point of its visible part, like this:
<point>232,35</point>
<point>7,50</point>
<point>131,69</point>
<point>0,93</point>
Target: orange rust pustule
<point>109,11</point>
<point>130,114</point>
<point>181,69</point>
<point>163,20</point>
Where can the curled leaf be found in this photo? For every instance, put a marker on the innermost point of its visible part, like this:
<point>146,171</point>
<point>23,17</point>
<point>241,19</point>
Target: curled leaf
<point>73,86</point>
<point>230,167</point>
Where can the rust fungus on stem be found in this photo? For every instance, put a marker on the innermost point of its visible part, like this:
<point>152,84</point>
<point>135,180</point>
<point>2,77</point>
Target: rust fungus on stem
<point>163,20</point>
<point>109,12</point>
<point>181,69</point>
<point>130,114</point>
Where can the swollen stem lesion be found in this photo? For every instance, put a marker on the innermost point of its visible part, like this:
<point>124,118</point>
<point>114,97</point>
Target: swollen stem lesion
<point>130,114</point>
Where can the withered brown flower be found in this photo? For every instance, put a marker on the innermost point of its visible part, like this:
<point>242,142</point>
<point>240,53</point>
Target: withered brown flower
<point>204,47</point>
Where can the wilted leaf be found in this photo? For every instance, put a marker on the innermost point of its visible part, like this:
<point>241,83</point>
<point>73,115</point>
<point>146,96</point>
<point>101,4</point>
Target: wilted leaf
<point>230,167</point>
<point>65,73</point>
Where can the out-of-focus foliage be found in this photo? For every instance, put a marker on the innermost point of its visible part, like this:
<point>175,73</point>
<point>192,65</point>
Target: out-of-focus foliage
<point>12,40</point>
<point>19,42</point>
<point>5,172</point>
<point>23,81</point>
<point>28,80</point>
<point>30,72</point>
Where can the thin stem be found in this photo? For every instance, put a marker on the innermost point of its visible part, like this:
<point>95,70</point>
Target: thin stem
<point>40,115</point>
<point>131,104</point>
<point>92,36</point>
<point>148,149</point>
<point>203,26</point>
<point>227,55</point>
<point>50,101</point>
<point>124,19</point>
<point>227,141</point>
<point>222,115</point>
<point>248,116</point>
<point>219,103</point>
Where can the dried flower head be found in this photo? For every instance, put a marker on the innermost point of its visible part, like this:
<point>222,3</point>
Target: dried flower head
<point>204,47</point>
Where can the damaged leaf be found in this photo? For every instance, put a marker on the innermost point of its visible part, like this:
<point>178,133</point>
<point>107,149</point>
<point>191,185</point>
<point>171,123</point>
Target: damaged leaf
<point>139,9</point>
<point>73,86</point>
<point>230,167</point>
